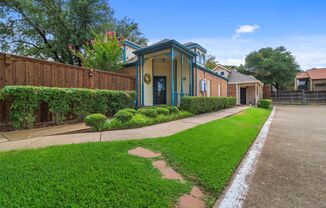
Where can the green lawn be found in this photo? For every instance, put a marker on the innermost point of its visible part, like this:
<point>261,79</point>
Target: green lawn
<point>104,175</point>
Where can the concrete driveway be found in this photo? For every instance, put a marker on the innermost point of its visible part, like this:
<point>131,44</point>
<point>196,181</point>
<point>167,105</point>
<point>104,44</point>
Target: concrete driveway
<point>291,171</point>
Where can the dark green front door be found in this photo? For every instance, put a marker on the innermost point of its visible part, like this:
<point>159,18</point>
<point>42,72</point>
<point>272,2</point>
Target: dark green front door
<point>159,90</point>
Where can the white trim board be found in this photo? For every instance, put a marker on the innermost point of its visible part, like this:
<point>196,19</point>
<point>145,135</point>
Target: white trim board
<point>237,190</point>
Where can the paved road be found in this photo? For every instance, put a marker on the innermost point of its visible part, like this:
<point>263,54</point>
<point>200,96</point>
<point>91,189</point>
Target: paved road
<point>159,130</point>
<point>291,171</point>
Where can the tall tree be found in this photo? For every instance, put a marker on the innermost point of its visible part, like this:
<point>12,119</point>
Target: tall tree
<point>44,28</point>
<point>275,66</point>
<point>211,62</point>
<point>129,29</point>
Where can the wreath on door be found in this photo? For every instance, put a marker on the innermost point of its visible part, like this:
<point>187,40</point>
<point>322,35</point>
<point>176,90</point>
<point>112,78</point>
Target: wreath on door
<point>147,78</point>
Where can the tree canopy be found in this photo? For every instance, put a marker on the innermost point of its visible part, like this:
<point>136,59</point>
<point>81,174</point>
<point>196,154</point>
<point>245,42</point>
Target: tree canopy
<point>275,66</point>
<point>44,28</point>
<point>211,62</point>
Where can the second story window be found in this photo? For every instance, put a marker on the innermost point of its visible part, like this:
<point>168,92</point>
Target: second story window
<point>222,73</point>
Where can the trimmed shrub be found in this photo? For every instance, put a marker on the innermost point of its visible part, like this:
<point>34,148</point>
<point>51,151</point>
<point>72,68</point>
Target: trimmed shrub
<point>140,120</point>
<point>149,112</point>
<point>131,110</point>
<point>76,102</point>
<point>197,105</point>
<point>264,103</point>
<point>172,109</point>
<point>96,121</point>
<point>124,115</point>
<point>162,111</point>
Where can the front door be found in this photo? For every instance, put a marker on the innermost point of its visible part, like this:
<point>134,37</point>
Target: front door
<point>159,90</point>
<point>243,96</point>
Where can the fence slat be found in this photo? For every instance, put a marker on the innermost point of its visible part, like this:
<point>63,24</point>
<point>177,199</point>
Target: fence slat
<point>298,97</point>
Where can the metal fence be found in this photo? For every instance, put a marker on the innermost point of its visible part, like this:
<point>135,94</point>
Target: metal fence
<point>298,97</point>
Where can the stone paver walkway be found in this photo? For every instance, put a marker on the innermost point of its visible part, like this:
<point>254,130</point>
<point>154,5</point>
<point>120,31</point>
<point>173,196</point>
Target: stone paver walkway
<point>159,130</point>
<point>192,200</point>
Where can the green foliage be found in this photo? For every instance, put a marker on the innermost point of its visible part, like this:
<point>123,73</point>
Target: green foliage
<point>123,115</point>
<point>264,103</point>
<point>163,111</point>
<point>131,110</point>
<point>140,120</point>
<point>44,29</point>
<point>172,109</point>
<point>211,62</point>
<point>96,121</point>
<point>275,66</point>
<point>103,53</point>
<point>25,100</point>
<point>149,112</point>
<point>197,105</point>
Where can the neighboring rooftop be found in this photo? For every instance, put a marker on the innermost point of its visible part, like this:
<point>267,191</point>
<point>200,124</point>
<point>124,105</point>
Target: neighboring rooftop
<point>314,73</point>
<point>237,77</point>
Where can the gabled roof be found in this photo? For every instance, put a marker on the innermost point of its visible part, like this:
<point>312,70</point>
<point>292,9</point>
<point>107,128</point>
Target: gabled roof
<point>237,77</point>
<point>165,44</point>
<point>221,66</point>
<point>314,74</point>
<point>191,45</point>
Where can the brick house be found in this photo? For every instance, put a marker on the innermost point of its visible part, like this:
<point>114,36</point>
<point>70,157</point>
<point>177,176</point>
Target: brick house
<point>247,89</point>
<point>313,79</point>
<point>167,70</point>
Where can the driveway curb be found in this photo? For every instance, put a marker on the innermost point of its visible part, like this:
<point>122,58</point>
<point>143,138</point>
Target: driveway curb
<point>236,191</point>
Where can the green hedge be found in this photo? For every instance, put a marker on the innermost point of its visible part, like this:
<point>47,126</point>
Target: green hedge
<point>264,103</point>
<point>197,105</point>
<point>25,100</point>
<point>124,115</point>
<point>96,121</point>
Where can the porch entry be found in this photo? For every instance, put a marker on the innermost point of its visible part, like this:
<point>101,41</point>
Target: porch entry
<point>159,90</point>
<point>243,96</point>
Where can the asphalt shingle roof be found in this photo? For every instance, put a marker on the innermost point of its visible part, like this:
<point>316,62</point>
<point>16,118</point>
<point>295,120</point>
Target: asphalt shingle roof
<point>236,76</point>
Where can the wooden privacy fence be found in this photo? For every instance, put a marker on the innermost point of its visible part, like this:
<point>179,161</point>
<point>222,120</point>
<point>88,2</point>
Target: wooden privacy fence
<point>298,97</point>
<point>18,70</point>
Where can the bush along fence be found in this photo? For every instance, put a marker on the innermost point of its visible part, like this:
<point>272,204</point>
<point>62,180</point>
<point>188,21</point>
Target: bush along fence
<point>60,104</point>
<point>197,105</point>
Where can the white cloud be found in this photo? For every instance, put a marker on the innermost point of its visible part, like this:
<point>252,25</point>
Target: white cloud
<point>247,29</point>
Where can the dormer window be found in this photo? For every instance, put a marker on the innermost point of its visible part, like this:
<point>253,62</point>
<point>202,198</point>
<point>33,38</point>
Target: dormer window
<point>203,59</point>
<point>222,73</point>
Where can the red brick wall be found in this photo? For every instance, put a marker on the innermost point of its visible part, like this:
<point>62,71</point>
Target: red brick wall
<point>232,90</point>
<point>214,83</point>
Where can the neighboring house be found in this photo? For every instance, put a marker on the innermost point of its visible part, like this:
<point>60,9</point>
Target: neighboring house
<point>246,88</point>
<point>221,70</point>
<point>313,79</point>
<point>168,70</point>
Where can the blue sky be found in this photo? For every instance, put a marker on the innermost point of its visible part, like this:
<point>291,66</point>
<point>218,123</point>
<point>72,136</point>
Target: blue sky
<point>232,29</point>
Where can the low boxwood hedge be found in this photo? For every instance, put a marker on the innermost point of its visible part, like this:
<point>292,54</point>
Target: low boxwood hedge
<point>96,121</point>
<point>77,102</point>
<point>197,105</point>
<point>163,111</point>
<point>124,115</point>
<point>264,103</point>
<point>149,112</point>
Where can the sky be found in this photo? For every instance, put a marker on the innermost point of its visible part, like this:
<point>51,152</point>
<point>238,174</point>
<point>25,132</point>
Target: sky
<point>231,29</point>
